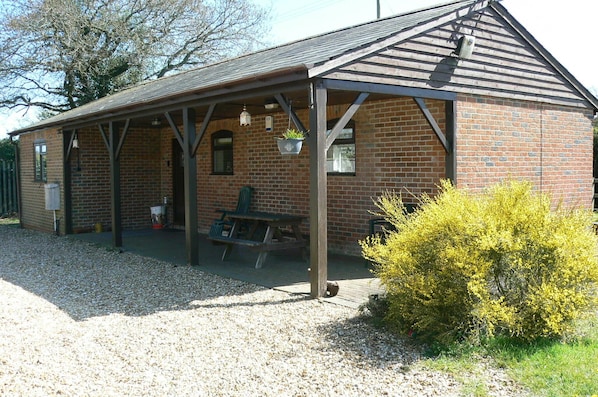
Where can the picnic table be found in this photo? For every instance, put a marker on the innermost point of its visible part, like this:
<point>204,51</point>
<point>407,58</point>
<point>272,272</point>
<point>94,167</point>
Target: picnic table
<point>274,238</point>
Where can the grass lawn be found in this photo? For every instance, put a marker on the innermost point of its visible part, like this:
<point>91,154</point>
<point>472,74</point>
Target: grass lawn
<point>545,368</point>
<point>9,221</point>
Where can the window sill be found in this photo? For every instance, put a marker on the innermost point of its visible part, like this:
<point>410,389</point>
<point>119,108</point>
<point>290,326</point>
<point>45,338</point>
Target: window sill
<point>341,173</point>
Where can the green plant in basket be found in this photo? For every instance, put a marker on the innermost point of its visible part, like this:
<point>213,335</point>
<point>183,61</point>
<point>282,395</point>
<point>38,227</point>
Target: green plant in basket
<point>292,133</point>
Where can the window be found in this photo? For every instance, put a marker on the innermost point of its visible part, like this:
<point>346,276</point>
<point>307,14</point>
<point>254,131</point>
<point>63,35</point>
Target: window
<point>40,161</point>
<point>222,152</point>
<point>340,158</point>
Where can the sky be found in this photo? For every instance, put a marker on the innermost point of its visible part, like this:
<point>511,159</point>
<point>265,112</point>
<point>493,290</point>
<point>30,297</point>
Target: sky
<point>564,28</point>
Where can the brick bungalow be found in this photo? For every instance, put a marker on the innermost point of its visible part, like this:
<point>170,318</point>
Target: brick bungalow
<point>459,91</point>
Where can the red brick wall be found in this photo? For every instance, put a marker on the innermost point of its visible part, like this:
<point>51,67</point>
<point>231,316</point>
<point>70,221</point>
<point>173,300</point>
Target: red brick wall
<point>140,179</point>
<point>395,150</point>
<point>33,200</point>
<point>90,167</point>
<point>549,145</point>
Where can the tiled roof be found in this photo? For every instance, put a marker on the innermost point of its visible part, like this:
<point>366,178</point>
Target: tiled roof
<point>297,55</point>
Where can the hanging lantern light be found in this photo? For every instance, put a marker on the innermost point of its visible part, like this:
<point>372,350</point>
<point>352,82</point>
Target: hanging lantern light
<point>245,117</point>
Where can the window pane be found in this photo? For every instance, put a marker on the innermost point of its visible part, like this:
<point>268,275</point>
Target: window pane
<point>346,133</point>
<point>222,152</point>
<point>218,161</point>
<point>223,141</point>
<point>341,158</point>
<point>40,161</point>
<point>38,167</point>
<point>223,161</point>
<point>43,175</point>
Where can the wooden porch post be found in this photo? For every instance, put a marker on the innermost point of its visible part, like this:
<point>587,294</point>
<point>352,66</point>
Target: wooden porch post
<point>451,138</point>
<point>114,142</point>
<point>318,194</point>
<point>190,175</point>
<point>113,138</point>
<point>67,141</point>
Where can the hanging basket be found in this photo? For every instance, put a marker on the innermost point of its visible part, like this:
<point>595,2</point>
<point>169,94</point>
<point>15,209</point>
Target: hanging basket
<point>289,146</point>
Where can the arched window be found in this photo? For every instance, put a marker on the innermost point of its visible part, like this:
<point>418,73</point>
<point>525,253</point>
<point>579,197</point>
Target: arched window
<point>222,152</point>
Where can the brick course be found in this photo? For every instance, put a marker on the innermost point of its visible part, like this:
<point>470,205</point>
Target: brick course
<point>548,145</point>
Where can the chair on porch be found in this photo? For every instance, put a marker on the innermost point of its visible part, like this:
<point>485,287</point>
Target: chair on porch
<point>221,227</point>
<point>377,225</point>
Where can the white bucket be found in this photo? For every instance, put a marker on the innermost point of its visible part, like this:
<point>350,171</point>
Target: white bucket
<point>158,216</point>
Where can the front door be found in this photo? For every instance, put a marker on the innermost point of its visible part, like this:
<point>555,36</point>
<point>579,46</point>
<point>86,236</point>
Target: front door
<point>178,184</point>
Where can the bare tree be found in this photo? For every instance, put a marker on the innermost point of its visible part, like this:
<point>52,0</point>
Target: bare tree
<point>60,54</point>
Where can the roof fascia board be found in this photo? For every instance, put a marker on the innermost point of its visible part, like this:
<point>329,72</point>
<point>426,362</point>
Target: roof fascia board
<point>315,71</point>
<point>527,36</point>
<point>225,93</point>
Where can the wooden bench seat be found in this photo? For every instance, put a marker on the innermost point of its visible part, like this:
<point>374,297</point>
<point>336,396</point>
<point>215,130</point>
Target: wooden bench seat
<point>237,241</point>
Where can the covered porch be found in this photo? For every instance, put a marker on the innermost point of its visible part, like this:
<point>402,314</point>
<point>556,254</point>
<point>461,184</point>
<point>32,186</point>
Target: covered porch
<point>284,270</point>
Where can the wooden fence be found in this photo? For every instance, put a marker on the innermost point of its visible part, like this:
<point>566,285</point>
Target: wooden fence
<point>8,188</point>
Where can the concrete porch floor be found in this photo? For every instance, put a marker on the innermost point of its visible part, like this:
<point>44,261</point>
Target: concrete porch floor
<point>283,270</point>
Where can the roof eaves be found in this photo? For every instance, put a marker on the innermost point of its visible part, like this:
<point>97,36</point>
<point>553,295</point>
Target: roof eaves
<point>526,35</point>
<point>64,119</point>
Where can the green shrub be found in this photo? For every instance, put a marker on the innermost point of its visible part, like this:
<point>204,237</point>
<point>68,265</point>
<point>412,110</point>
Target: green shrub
<point>503,262</point>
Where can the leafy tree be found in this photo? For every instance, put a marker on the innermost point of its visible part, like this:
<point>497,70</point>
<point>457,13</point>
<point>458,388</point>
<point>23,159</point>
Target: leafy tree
<point>7,150</point>
<point>60,54</point>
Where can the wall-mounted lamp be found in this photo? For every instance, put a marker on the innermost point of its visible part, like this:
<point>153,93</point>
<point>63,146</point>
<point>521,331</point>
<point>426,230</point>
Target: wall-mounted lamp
<point>156,122</point>
<point>465,47</point>
<point>76,146</point>
<point>244,117</point>
<point>76,141</point>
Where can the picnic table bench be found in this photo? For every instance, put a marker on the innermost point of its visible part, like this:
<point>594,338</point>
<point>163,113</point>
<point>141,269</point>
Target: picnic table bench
<point>274,238</point>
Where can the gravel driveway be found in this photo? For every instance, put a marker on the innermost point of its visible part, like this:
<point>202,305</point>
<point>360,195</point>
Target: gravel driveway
<point>78,320</point>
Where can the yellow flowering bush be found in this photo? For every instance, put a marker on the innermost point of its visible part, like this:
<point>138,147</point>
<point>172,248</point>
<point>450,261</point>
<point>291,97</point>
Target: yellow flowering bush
<point>474,266</point>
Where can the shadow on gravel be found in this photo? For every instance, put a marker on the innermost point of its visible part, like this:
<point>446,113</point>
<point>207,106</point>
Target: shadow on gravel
<point>89,279</point>
<point>371,346</point>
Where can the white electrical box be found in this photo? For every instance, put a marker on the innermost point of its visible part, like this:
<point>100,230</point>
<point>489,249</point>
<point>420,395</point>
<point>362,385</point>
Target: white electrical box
<point>52,196</point>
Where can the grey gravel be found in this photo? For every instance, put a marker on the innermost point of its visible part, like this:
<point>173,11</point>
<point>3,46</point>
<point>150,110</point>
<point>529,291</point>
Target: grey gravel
<point>81,320</point>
